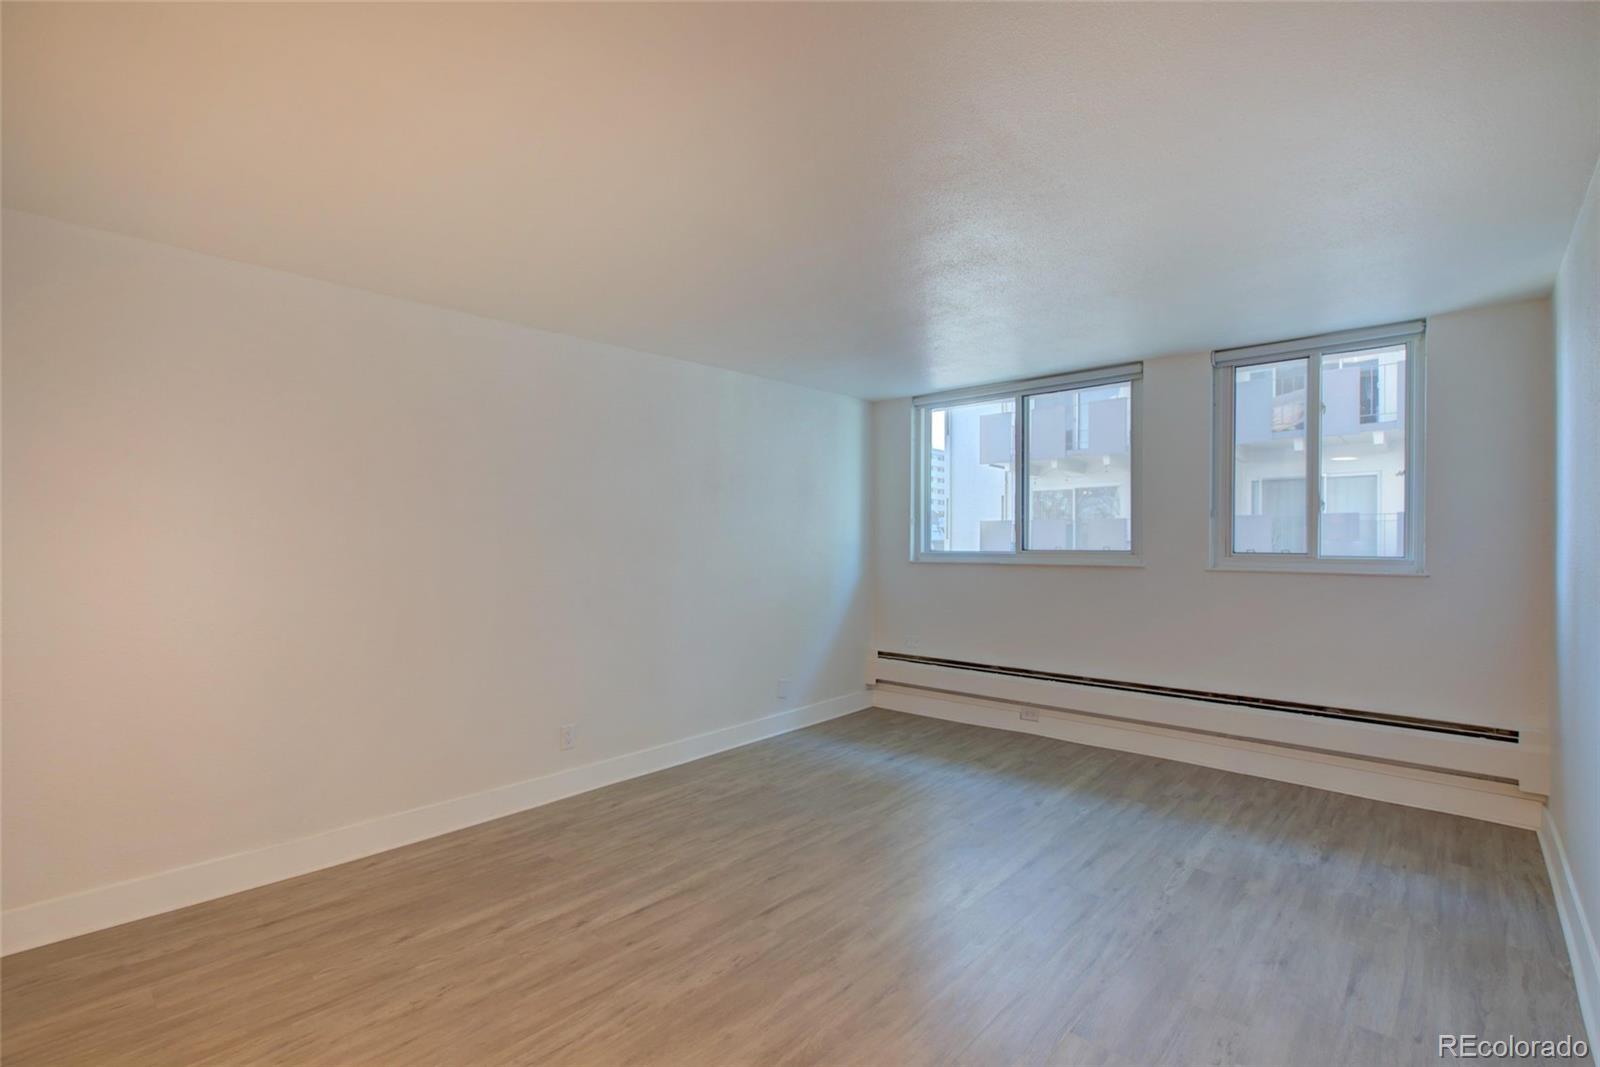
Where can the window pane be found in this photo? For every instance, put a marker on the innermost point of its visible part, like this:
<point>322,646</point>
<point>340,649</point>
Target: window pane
<point>1080,469</point>
<point>1269,457</point>
<point>969,470</point>
<point>1364,453</point>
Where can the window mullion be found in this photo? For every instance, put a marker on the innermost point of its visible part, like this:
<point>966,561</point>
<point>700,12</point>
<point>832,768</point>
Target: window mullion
<point>1233,447</point>
<point>1415,382</point>
<point>919,488</point>
<point>1223,466</point>
<point>924,479</point>
<point>1135,417</point>
<point>1019,467</point>
<point>1314,455</point>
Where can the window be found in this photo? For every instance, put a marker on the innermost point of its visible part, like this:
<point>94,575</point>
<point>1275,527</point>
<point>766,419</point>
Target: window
<point>1069,496</point>
<point>1342,414</point>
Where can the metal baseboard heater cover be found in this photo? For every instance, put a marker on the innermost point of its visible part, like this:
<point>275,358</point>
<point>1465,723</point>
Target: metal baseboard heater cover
<point>1288,707</point>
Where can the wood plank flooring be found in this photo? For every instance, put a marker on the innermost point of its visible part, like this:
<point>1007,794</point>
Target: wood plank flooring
<point>880,889</point>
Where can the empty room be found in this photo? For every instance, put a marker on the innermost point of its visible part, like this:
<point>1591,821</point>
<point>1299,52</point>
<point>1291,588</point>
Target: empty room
<point>800,533</point>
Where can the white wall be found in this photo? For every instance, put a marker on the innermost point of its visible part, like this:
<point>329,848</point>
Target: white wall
<point>1470,642</point>
<point>1575,792</point>
<point>281,556</point>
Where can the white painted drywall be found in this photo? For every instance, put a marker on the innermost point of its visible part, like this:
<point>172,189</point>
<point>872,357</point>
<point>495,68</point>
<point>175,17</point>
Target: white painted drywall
<point>281,556</point>
<point>1469,642</point>
<point>1575,787</point>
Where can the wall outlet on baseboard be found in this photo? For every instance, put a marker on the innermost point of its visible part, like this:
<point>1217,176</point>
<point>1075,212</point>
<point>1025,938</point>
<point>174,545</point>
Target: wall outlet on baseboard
<point>1029,714</point>
<point>784,685</point>
<point>569,735</point>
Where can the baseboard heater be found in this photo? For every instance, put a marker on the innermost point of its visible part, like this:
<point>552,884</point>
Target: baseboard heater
<point>1287,707</point>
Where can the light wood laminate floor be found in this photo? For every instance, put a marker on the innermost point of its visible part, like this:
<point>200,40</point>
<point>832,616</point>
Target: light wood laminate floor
<point>879,889</point>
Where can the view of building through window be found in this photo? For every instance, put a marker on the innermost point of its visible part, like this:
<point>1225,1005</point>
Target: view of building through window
<point>1363,453</point>
<point>1080,469</point>
<point>1269,457</point>
<point>1360,423</point>
<point>969,471</point>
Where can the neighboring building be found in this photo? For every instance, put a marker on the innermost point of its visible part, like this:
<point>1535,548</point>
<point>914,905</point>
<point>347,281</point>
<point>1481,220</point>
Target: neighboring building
<point>975,457</point>
<point>1079,483</point>
<point>938,498</point>
<point>1080,470</point>
<point>1363,448</point>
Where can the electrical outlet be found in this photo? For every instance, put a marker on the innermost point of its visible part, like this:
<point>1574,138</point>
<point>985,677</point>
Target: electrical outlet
<point>569,735</point>
<point>783,688</point>
<point>1030,714</point>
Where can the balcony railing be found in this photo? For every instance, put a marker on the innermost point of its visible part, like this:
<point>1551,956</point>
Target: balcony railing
<point>1345,533</point>
<point>1353,533</point>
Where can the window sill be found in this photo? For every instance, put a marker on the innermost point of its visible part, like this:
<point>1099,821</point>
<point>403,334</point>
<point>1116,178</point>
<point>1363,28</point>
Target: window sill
<point>1404,568</point>
<point>1035,559</point>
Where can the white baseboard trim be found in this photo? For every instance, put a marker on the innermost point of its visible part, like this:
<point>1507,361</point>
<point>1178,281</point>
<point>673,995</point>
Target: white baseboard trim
<point>1577,928</point>
<point>111,905</point>
<point>1436,791</point>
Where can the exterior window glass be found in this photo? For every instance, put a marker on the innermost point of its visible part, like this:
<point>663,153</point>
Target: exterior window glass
<point>1269,457</point>
<point>1364,453</point>
<point>969,471</point>
<point>1080,469</point>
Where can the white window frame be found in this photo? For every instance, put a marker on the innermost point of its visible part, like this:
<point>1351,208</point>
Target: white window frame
<point>1018,392</point>
<point>1312,349</point>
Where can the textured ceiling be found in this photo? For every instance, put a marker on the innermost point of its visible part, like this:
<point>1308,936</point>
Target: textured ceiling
<point>876,200</point>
